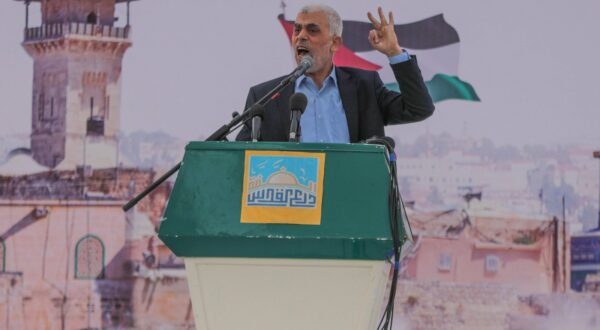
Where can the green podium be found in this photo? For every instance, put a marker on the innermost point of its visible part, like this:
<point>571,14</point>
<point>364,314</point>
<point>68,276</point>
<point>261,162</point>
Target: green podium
<point>282,235</point>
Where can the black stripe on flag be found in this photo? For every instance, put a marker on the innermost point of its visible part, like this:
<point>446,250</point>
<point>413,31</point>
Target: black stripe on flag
<point>429,33</point>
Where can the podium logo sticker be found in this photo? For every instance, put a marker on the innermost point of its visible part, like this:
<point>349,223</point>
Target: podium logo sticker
<point>282,187</point>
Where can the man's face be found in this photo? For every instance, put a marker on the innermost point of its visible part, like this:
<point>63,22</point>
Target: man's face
<point>312,36</point>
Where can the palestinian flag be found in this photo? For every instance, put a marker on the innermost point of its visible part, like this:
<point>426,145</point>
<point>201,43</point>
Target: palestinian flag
<point>432,40</point>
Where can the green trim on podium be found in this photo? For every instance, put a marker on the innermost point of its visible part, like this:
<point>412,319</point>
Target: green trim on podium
<point>202,218</point>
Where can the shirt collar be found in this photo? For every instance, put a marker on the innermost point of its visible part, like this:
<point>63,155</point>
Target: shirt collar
<point>331,76</point>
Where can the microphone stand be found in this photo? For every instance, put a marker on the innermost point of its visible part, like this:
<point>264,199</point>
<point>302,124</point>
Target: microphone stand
<point>221,133</point>
<point>256,123</point>
<point>295,126</point>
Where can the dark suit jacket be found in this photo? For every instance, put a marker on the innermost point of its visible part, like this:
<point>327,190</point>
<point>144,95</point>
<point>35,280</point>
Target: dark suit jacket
<point>368,104</point>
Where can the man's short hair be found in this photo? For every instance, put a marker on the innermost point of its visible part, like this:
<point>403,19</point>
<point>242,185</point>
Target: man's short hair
<point>333,18</point>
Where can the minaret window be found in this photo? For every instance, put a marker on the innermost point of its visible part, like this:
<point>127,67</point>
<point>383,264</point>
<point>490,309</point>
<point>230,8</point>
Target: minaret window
<point>95,123</point>
<point>41,107</point>
<point>51,107</point>
<point>91,107</point>
<point>107,107</point>
<point>2,256</point>
<point>92,18</point>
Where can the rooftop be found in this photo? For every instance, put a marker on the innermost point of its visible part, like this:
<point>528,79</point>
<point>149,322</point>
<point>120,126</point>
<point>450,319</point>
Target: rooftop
<point>82,184</point>
<point>20,162</point>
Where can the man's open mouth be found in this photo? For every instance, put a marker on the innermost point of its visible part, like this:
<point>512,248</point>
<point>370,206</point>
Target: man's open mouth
<point>302,51</point>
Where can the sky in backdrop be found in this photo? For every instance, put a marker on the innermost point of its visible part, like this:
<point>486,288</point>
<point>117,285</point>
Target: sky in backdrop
<point>535,65</point>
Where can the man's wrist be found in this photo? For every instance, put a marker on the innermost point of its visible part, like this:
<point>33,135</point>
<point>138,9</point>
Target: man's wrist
<point>404,56</point>
<point>395,51</point>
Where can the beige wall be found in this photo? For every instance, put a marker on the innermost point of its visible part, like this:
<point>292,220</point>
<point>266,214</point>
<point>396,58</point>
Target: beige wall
<point>43,251</point>
<point>526,270</point>
<point>532,257</point>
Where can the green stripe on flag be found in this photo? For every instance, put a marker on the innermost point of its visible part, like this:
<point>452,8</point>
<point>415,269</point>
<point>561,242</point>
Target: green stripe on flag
<point>444,87</point>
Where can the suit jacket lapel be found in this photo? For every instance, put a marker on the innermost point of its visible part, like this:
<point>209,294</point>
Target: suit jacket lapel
<point>349,96</point>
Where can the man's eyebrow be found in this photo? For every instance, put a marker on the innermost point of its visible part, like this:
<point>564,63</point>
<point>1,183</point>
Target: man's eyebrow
<point>308,25</point>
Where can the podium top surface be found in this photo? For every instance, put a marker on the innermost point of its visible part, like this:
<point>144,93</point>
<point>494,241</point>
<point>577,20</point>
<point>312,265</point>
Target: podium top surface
<point>290,146</point>
<point>203,216</point>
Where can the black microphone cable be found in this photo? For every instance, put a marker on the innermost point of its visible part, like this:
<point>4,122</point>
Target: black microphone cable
<point>394,204</point>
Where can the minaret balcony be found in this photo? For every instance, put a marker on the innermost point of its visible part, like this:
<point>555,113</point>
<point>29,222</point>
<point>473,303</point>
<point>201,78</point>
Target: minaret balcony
<point>61,30</point>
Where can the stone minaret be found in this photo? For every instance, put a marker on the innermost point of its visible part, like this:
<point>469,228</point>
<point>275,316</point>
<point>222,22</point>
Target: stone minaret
<point>78,54</point>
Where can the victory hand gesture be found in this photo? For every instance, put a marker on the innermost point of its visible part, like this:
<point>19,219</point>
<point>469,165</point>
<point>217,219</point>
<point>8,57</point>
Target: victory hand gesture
<point>383,37</point>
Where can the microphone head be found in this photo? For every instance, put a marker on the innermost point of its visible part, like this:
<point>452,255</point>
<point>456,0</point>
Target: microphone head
<point>258,110</point>
<point>298,102</point>
<point>306,62</point>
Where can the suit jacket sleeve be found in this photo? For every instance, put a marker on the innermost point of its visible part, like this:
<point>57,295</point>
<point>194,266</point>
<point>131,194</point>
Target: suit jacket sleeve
<point>412,104</point>
<point>246,131</point>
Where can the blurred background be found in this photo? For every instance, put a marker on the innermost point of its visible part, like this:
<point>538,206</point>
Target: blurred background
<point>99,97</point>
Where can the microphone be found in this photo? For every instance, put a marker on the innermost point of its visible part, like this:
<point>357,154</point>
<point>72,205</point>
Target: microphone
<point>257,121</point>
<point>305,63</point>
<point>298,103</point>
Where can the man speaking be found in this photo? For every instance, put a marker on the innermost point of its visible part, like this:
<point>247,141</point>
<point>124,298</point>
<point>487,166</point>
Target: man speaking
<point>344,104</point>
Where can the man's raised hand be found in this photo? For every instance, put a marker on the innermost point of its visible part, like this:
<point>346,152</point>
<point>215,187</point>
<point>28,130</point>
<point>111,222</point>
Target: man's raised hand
<point>383,37</point>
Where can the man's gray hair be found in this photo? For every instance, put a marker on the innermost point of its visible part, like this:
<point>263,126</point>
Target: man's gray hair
<point>333,18</point>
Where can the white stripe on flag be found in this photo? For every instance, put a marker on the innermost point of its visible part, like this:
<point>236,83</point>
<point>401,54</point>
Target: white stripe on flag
<point>431,61</point>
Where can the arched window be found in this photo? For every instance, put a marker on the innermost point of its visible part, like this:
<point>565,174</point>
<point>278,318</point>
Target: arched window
<point>89,258</point>
<point>2,256</point>
<point>92,18</point>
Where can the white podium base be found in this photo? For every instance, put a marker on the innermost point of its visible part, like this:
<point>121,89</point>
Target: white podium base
<point>303,294</point>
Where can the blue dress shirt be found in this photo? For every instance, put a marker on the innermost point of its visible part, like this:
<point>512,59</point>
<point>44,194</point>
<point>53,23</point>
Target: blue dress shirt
<point>324,120</point>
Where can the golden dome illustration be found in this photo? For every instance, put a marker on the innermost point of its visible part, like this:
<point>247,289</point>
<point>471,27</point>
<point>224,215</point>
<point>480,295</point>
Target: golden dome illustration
<point>282,178</point>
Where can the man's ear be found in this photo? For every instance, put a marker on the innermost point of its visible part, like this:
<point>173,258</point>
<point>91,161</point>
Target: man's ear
<point>336,44</point>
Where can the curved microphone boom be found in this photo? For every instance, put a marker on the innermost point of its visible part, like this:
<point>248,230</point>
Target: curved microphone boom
<point>305,63</point>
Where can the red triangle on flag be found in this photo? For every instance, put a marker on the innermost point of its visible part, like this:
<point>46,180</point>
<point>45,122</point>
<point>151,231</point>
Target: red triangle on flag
<point>346,57</point>
<point>343,57</point>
